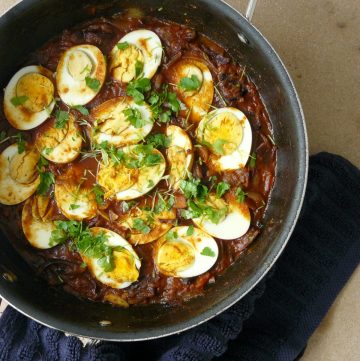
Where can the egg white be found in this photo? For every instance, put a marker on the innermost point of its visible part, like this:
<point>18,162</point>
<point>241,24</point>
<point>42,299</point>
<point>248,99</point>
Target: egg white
<point>74,201</point>
<point>112,125</point>
<point>198,241</point>
<point>72,88</point>
<point>239,157</point>
<point>179,154</point>
<point>133,183</point>
<point>198,102</point>
<point>16,189</point>
<point>149,48</point>
<point>235,224</point>
<point>158,227</point>
<point>36,224</point>
<point>110,278</point>
<point>60,145</point>
<point>18,116</point>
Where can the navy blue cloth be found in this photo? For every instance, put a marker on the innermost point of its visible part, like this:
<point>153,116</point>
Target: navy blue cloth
<point>273,322</point>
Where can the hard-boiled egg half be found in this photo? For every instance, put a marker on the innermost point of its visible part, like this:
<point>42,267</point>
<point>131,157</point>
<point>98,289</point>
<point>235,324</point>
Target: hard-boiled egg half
<point>179,154</point>
<point>234,223</point>
<point>194,86</point>
<point>80,74</point>
<point>29,97</point>
<point>227,133</point>
<point>36,221</point>
<point>120,121</point>
<point>59,145</point>
<point>124,181</point>
<point>126,261</point>
<point>153,225</point>
<point>138,47</point>
<point>18,174</point>
<point>74,195</point>
<point>183,253</point>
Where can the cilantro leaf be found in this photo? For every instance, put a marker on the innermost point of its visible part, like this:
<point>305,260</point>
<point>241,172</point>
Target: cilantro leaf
<point>137,88</point>
<point>62,117</point>
<point>193,188</point>
<point>219,146</point>
<point>122,46</point>
<point>20,140</point>
<point>139,68</point>
<point>171,236</point>
<point>17,101</point>
<point>158,140</point>
<point>240,195</point>
<point>252,161</point>
<point>92,83</point>
<point>190,84</point>
<point>81,109</point>
<point>74,206</point>
<point>47,179</point>
<point>197,209</point>
<point>99,194</point>
<point>207,251</point>
<point>134,117</point>
<point>190,230</point>
<point>222,188</point>
<point>141,226</point>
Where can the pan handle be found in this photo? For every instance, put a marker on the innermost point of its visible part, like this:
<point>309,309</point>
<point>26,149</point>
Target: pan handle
<point>250,10</point>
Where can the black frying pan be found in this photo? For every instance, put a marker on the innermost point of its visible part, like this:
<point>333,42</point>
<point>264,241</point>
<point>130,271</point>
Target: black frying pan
<point>31,23</point>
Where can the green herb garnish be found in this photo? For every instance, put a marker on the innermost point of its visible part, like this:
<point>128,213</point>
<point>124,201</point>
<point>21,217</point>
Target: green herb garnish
<point>190,230</point>
<point>139,68</point>
<point>99,194</point>
<point>222,188</point>
<point>47,179</point>
<point>207,251</point>
<point>73,207</point>
<point>62,117</point>
<point>81,109</point>
<point>190,84</point>
<point>140,225</point>
<point>158,140</point>
<point>122,46</point>
<point>17,101</point>
<point>92,83</point>
<point>137,88</point>
<point>20,140</point>
<point>252,161</point>
<point>134,117</point>
<point>219,146</point>
<point>240,195</point>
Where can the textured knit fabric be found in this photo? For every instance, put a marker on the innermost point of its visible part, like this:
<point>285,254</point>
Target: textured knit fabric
<point>273,322</point>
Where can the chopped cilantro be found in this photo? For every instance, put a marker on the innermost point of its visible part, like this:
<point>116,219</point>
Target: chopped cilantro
<point>81,109</point>
<point>92,83</point>
<point>240,195</point>
<point>190,84</point>
<point>47,179</point>
<point>252,161</point>
<point>140,225</point>
<point>207,251</point>
<point>122,46</point>
<point>190,230</point>
<point>158,140</point>
<point>21,145</point>
<point>197,209</point>
<point>219,146</point>
<point>62,117</point>
<point>99,194</point>
<point>193,188</point>
<point>73,207</point>
<point>134,117</point>
<point>171,236</point>
<point>222,188</point>
<point>16,101</point>
<point>137,88</point>
<point>85,242</point>
<point>3,135</point>
<point>139,68</point>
